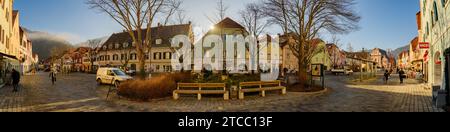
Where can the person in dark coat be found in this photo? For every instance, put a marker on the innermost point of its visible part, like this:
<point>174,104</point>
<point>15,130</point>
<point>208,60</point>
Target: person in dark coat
<point>386,76</point>
<point>15,76</point>
<point>53,76</point>
<point>402,75</point>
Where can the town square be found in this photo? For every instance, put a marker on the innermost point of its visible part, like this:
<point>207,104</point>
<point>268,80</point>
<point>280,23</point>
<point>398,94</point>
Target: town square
<point>224,56</point>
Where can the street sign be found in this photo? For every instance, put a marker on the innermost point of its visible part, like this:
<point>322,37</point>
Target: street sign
<point>424,45</point>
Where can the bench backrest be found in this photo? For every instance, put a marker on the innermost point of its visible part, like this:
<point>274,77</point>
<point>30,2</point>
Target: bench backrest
<point>259,84</point>
<point>271,83</point>
<point>202,86</point>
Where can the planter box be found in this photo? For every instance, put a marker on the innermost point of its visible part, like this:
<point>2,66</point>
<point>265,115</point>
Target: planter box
<point>439,97</point>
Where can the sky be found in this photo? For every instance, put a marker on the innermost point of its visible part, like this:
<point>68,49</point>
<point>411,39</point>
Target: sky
<point>386,24</point>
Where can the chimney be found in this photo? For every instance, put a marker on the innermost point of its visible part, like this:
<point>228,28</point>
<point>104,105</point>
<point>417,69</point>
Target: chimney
<point>190,22</point>
<point>159,24</point>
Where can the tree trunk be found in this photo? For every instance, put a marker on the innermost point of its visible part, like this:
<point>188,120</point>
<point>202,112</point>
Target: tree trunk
<point>141,63</point>
<point>302,74</point>
<point>141,67</point>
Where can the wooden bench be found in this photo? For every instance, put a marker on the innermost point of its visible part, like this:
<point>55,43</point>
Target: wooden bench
<point>260,86</point>
<point>201,88</point>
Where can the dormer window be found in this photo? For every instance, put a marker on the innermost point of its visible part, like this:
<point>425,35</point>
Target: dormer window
<point>158,41</point>
<point>125,45</point>
<point>117,46</point>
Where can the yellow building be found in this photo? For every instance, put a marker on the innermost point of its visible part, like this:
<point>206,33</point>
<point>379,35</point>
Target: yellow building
<point>8,40</point>
<point>321,56</point>
<point>290,61</point>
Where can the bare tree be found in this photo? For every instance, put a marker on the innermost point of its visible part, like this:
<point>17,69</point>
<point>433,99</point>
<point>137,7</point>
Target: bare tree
<point>125,56</point>
<point>307,18</point>
<point>221,10</point>
<point>133,16</point>
<point>334,51</point>
<point>181,17</point>
<point>172,7</point>
<point>277,11</point>
<point>350,47</point>
<point>253,19</point>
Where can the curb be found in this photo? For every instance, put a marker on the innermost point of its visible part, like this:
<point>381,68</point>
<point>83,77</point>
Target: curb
<point>313,93</point>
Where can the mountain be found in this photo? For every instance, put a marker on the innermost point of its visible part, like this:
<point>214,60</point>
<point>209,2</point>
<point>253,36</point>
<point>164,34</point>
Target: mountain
<point>93,42</point>
<point>399,50</point>
<point>44,44</point>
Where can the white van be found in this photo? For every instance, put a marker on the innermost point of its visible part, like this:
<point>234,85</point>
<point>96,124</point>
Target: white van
<point>112,76</point>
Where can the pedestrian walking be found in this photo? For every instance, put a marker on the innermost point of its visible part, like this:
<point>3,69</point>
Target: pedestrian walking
<point>402,75</point>
<point>53,77</point>
<point>15,76</point>
<point>386,76</point>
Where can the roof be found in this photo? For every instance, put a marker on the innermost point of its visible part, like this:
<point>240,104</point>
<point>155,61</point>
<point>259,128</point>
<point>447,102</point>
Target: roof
<point>358,55</point>
<point>284,40</point>
<point>382,52</point>
<point>160,32</point>
<point>415,43</point>
<point>228,23</point>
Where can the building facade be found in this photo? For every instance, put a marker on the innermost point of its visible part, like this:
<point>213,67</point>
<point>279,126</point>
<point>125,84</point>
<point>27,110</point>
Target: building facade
<point>120,51</point>
<point>12,40</point>
<point>337,57</point>
<point>380,56</point>
<point>435,24</point>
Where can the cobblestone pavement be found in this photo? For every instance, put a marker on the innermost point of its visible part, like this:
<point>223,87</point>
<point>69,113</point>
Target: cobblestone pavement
<point>79,93</point>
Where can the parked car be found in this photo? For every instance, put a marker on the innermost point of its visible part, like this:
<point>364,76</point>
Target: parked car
<point>348,72</point>
<point>111,76</point>
<point>131,72</point>
<point>337,71</point>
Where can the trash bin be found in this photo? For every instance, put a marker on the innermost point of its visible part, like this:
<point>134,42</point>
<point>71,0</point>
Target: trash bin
<point>234,92</point>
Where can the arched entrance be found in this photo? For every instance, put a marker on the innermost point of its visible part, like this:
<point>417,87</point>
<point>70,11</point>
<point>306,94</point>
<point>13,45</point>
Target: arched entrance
<point>437,68</point>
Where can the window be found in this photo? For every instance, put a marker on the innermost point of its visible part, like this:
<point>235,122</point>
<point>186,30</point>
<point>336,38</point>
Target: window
<point>154,56</point>
<point>164,55</point>
<point>1,40</point>
<point>116,57</point>
<point>147,57</point>
<point>436,16</point>
<point>159,55</point>
<point>158,41</point>
<point>133,56</point>
<point>125,45</point>
<point>117,46</point>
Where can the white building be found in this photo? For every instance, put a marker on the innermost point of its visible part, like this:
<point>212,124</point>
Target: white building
<point>435,24</point>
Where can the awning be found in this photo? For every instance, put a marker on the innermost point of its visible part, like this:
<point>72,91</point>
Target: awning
<point>9,56</point>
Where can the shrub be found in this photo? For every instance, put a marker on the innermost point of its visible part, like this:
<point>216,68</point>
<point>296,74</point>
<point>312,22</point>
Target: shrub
<point>156,87</point>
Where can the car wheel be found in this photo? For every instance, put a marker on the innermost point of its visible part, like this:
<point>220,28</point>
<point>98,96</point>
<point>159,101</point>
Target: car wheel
<point>99,82</point>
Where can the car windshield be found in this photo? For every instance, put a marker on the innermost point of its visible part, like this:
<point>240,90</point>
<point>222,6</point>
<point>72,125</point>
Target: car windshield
<point>119,72</point>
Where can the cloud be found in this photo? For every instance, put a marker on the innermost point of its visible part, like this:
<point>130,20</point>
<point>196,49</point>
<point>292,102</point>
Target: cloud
<point>61,37</point>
